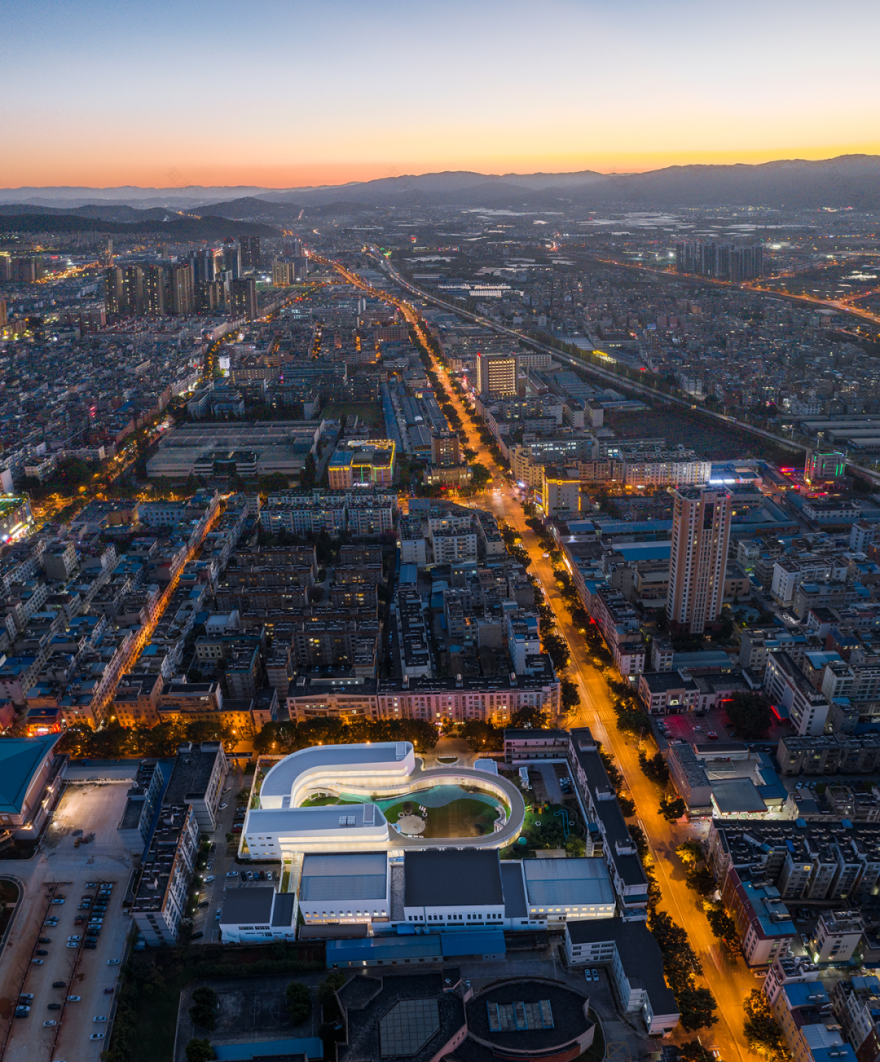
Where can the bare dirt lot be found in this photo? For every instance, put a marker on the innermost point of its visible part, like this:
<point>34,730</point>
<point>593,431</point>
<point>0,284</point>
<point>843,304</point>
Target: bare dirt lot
<point>711,440</point>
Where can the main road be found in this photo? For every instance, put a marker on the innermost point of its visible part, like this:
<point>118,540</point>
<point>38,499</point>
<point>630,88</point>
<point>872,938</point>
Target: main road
<point>730,981</point>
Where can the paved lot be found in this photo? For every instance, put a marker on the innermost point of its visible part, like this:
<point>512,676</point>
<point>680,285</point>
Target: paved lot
<point>250,1008</point>
<point>60,868</point>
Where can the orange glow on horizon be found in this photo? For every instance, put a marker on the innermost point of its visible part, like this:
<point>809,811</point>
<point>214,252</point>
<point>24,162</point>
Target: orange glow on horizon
<point>108,173</point>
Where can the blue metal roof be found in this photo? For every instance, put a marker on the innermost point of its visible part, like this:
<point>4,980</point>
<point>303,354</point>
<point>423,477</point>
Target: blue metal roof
<point>473,942</point>
<point>310,1046</point>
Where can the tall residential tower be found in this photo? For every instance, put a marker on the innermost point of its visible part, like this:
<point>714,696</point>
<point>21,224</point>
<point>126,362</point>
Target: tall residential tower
<point>697,568</point>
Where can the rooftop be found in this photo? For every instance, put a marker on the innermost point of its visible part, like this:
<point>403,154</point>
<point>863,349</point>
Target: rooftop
<point>452,878</point>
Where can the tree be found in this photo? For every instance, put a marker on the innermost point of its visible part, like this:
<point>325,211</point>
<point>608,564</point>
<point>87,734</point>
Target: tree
<point>328,988</point>
<point>299,1002</point>
<point>672,808</point>
<point>722,926</point>
<point>630,720</point>
<point>697,1007</point>
<point>556,647</point>
<point>529,717</point>
<point>204,1009</point>
<point>762,1030</point>
<point>570,694</point>
<point>627,806</point>
<point>198,1050</point>
<point>274,481</point>
<point>693,1051</point>
<point>482,736</point>
<point>750,714</point>
<point>701,880</point>
<point>308,476</point>
<point>690,852</point>
<point>654,767</point>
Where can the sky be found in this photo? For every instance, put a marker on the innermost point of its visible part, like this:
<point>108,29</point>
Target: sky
<point>283,93</point>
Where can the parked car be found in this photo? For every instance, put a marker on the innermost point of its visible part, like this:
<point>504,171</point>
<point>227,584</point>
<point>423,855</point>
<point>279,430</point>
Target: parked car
<point>74,999</point>
<point>231,873</point>
<point>100,1017</point>
<point>41,951</point>
<point>595,975</point>
<point>44,940</point>
<point>97,1036</point>
<point>109,991</point>
<point>89,946</point>
<point>25,997</point>
<point>54,1006</point>
<point>59,984</point>
<point>712,735</point>
<point>113,962</point>
<point>223,807</point>
<point>49,1024</point>
<point>209,879</point>
<point>197,936</point>
<point>58,899</point>
<point>72,944</point>
<point>37,962</point>
<point>204,903</point>
<point>91,884</point>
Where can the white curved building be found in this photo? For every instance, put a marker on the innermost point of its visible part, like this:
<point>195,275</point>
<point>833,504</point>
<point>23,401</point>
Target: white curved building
<point>279,826</point>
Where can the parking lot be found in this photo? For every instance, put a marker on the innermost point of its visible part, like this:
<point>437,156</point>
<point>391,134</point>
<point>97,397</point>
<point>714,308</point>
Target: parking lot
<point>222,868</point>
<point>61,871</point>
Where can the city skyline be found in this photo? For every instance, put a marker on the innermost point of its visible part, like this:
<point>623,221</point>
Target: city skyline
<point>312,95</point>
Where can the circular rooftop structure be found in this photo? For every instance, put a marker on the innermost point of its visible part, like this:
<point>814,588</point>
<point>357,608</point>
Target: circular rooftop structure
<point>531,1020</point>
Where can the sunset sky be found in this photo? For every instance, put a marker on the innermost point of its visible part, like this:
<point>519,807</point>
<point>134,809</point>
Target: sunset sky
<point>283,93</point>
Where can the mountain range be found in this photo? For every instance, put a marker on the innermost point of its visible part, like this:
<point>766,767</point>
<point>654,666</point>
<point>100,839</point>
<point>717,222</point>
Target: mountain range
<point>849,181</point>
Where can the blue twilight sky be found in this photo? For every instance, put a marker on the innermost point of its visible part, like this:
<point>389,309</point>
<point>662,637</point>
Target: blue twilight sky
<point>282,92</point>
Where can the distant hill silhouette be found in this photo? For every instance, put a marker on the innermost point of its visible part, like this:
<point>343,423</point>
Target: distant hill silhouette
<point>203,228</point>
<point>795,184</point>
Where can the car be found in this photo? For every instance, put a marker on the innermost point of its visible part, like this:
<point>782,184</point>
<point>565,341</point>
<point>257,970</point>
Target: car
<point>59,984</point>
<point>91,884</point>
<point>242,875</point>
<point>712,735</point>
<point>54,1006</point>
<point>48,1024</point>
<point>109,991</point>
<point>74,999</point>
<point>800,785</point>
<point>698,728</point>
<point>37,962</point>
<point>96,921</point>
<point>97,1036</point>
<point>89,946</point>
<point>250,875</point>
<point>588,975</point>
<point>197,936</point>
<point>58,899</point>
<point>113,962</point>
<point>79,921</point>
<point>25,997</point>
<point>269,876</point>
<point>41,951</point>
<point>595,974</point>
<point>209,879</point>
<point>22,1012</point>
<point>204,903</point>
<point>100,1017</point>
<point>44,940</point>
<point>51,922</point>
<point>72,944</point>
<point>219,914</point>
<point>231,873</point>
<point>223,807</point>
<point>75,937</point>
<point>210,865</point>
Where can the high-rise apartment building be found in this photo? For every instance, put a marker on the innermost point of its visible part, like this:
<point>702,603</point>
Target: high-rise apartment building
<point>496,374</point>
<point>250,253</point>
<point>133,301</point>
<point>232,259</point>
<point>154,290</point>
<point>180,289</point>
<point>700,537</point>
<point>243,298</point>
<point>724,261</point>
<point>113,289</point>
<point>445,449</point>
